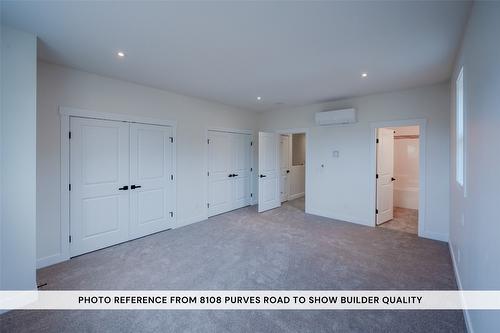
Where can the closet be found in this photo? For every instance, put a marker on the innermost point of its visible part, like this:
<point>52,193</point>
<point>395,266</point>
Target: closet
<point>121,182</point>
<point>229,170</point>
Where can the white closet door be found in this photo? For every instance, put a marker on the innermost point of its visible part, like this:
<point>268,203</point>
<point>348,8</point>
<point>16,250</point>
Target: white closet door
<point>151,179</point>
<point>240,151</point>
<point>220,192</point>
<point>269,169</point>
<point>99,178</point>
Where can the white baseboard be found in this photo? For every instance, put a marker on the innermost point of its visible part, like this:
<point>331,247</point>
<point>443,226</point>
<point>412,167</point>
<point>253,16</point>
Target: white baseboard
<point>435,236</point>
<point>339,217</point>
<point>191,220</point>
<point>468,323</point>
<point>296,196</point>
<point>50,260</point>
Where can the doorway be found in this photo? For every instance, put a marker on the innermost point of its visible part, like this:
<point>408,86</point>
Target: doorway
<point>282,157</point>
<point>397,178</point>
<point>292,169</point>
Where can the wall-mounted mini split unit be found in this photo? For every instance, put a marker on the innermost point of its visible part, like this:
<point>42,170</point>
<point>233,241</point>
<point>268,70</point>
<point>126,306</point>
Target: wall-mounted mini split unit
<point>336,117</point>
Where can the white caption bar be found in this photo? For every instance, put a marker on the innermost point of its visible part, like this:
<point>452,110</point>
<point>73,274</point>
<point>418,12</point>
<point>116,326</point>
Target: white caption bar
<point>249,300</point>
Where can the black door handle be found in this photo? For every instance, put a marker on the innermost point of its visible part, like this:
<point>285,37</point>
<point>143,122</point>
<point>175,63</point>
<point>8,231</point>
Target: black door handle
<point>235,175</point>
<point>393,179</point>
<point>124,188</point>
<point>262,176</point>
<point>287,171</point>
<point>133,187</point>
<point>231,175</point>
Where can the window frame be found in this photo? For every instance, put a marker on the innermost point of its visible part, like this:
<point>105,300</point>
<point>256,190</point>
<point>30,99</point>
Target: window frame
<point>460,130</point>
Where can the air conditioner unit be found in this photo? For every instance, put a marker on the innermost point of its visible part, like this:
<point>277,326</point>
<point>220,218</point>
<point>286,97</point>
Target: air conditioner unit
<point>336,117</point>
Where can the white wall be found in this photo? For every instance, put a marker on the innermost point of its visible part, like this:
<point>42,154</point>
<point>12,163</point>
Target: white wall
<point>18,160</point>
<point>341,188</point>
<point>406,172</point>
<point>406,167</point>
<point>474,226</point>
<point>60,86</point>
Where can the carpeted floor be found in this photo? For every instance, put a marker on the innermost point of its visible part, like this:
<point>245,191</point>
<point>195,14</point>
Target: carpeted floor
<point>280,249</point>
<point>404,220</point>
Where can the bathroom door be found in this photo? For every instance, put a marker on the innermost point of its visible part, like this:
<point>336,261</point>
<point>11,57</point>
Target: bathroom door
<point>385,175</point>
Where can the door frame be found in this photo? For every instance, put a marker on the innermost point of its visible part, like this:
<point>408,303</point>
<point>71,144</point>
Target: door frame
<point>252,159</point>
<point>65,113</point>
<point>307,169</point>
<point>422,195</point>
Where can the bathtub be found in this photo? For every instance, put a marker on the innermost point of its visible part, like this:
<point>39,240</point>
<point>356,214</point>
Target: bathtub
<point>406,196</point>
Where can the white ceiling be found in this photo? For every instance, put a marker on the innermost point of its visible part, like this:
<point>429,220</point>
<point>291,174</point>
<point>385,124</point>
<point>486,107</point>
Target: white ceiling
<point>294,53</point>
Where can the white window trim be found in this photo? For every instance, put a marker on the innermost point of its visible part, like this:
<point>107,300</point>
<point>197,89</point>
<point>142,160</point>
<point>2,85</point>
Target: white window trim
<point>460,149</point>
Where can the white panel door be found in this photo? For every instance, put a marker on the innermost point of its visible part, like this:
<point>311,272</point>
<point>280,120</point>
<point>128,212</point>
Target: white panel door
<point>220,160</point>
<point>151,179</point>
<point>285,166</point>
<point>99,178</point>
<point>240,151</point>
<point>385,173</point>
<point>269,171</point>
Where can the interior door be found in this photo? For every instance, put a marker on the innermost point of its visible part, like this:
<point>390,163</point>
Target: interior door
<point>99,178</point>
<point>151,179</point>
<point>285,166</point>
<point>220,160</point>
<point>269,171</point>
<point>385,175</point>
<point>240,151</point>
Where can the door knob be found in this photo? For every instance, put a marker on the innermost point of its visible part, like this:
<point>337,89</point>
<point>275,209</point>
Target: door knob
<point>124,188</point>
<point>393,179</point>
<point>287,171</point>
<point>262,176</point>
<point>133,187</point>
<point>231,175</point>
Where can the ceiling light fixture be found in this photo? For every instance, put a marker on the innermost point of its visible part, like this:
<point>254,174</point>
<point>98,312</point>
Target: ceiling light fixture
<point>121,54</point>
<point>259,98</point>
<point>363,75</point>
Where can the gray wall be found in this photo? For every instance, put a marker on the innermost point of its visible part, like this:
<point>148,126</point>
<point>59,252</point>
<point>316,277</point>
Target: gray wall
<point>475,221</point>
<point>18,160</point>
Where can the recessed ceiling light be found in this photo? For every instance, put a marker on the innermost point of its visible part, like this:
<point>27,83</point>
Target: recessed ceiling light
<point>364,74</point>
<point>259,98</point>
<point>121,54</point>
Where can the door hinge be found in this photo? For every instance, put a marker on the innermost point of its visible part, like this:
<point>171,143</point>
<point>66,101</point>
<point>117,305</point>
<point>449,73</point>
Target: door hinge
<point>376,211</point>
<point>376,176</point>
<point>208,174</point>
<point>251,143</point>
<point>251,169</point>
<point>69,186</point>
<point>70,238</point>
<point>377,140</point>
<point>171,139</point>
<point>171,177</point>
<point>208,141</point>
<point>69,135</point>
<point>208,205</point>
<point>251,194</point>
<point>171,214</point>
